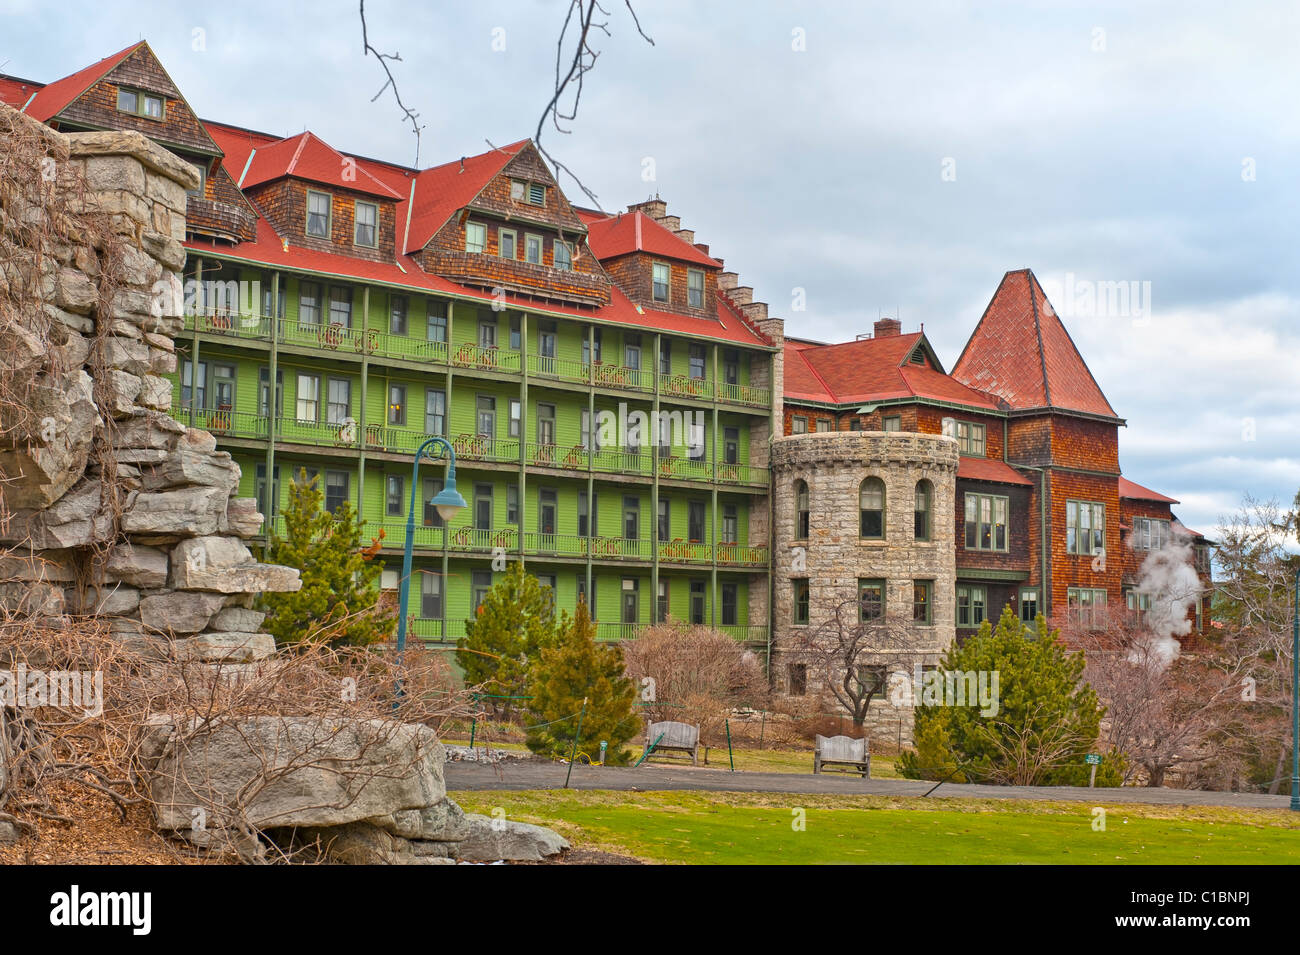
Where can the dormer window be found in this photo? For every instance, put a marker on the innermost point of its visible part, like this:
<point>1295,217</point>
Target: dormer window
<point>318,214</point>
<point>694,288</point>
<point>659,282</point>
<point>918,357</point>
<point>367,225</point>
<point>475,237</point>
<point>533,193</point>
<point>140,104</point>
<point>536,194</point>
<point>563,256</point>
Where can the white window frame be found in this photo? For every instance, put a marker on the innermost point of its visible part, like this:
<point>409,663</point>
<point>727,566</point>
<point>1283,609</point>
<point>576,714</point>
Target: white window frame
<point>356,225</point>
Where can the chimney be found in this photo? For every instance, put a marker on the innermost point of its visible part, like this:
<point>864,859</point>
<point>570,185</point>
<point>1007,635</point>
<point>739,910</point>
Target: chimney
<point>728,280</point>
<point>755,311</point>
<point>686,235</point>
<point>671,223</point>
<point>654,208</point>
<point>888,328</point>
<point>741,294</point>
<point>703,247</point>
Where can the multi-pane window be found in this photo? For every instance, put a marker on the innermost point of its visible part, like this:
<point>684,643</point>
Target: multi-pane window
<point>1086,605</point>
<point>366,231</point>
<point>1138,601</point>
<point>970,439</point>
<point>487,332</point>
<point>563,255</point>
<point>631,518</point>
<point>394,495</point>
<point>665,356</point>
<point>891,423</point>
<point>546,424</point>
<point>1150,533</point>
<point>547,347</point>
<point>730,524</point>
<point>515,426</point>
<point>1028,604</point>
<point>797,679</point>
<point>800,585</point>
<point>475,237</point>
<point>430,595</point>
<point>632,351</point>
<point>435,326</point>
<point>280,294</point>
<point>971,603</point>
<point>731,366</point>
<point>485,409</point>
<point>697,602</point>
<point>697,361</point>
<point>729,605</point>
<point>435,411</point>
<point>730,445</point>
<point>533,249</point>
<point>801,510</point>
<point>309,303</point>
<point>430,516</point>
<point>591,349</point>
<point>397,405</point>
<point>922,601</point>
<point>515,333</point>
<point>512,503</point>
<point>338,408</point>
<point>341,306</point>
<point>588,525</point>
<point>318,214</point>
<point>337,484</point>
<point>140,104</point>
<point>694,288</point>
<point>695,521</point>
<point>661,602</point>
<point>506,240</point>
<point>921,511</point>
<point>823,425</point>
<point>546,508</point>
<point>871,600</point>
<point>871,508</point>
<point>986,522</point>
<point>659,281</point>
<point>665,519</point>
<point>1085,527</point>
<point>397,308</point>
<point>798,425</point>
<point>194,389</point>
<point>308,397</point>
<point>483,508</point>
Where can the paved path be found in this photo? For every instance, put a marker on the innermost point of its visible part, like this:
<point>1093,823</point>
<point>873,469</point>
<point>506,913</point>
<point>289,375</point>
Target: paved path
<point>543,775</point>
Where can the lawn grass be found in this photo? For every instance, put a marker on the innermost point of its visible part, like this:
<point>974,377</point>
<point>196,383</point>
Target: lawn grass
<point>756,828</point>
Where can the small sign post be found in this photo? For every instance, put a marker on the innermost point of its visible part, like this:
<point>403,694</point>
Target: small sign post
<point>1092,759</point>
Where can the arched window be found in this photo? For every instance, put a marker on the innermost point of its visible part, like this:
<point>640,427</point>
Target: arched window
<point>924,498</point>
<point>871,508</point>
<point>801,510</point>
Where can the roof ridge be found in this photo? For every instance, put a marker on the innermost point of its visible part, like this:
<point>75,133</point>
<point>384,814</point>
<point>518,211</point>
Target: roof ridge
<point>1038,330</point>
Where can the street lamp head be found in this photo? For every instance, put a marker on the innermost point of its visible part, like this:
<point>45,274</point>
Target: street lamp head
<point>448,501</point>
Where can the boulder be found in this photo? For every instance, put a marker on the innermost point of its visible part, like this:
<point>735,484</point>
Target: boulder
<point>138,565</point>
<point>226,647</point>
<point>113,600</point>
<point>225,565</point>
<point>182,512</point>
<point>293,771</point>
<point>236,619</point>
<point>179,612</point>
<point>242,517</point>
<point>43,465</point>
<point>360,843</point>
<point>184,466</point>
<point>487,840</point>
<point>75,520</point>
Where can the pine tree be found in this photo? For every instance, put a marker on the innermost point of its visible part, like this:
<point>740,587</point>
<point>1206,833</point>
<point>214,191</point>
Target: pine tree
<point>1047,717</point>
<point>577,667</point>
<point>338,602</point>
<point>514,622</point>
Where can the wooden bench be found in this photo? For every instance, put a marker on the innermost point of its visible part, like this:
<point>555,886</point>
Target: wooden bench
<point>842,751</point>
<point>675,737</point>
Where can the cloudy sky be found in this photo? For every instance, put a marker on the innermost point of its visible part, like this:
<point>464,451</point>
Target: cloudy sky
<point>890,158</point>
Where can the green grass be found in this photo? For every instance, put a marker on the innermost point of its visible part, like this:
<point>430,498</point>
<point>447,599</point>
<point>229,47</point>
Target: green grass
<point>753,828</point>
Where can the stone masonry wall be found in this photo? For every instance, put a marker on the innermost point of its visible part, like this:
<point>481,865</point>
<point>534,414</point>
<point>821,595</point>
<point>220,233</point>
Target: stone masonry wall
<point>110,505</point>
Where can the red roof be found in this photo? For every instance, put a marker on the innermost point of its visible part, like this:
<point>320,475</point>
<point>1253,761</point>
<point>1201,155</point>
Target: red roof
<point>440,191</point>
<point>1021,352</point>
<point>53,99</point>
<point>1136,492</point>
<point>871,369</point>
<point>307,156</point>
<point>990,469</point>
<point>635,231</point>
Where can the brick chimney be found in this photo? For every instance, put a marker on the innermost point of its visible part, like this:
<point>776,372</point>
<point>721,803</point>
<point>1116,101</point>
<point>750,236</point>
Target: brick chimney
<point>888,328</point>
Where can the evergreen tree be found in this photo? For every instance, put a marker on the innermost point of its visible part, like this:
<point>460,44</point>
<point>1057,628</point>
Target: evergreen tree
<point>577,667</point>
<point>1047,717</point>
<point>514,622</point>
<point>338,602</point>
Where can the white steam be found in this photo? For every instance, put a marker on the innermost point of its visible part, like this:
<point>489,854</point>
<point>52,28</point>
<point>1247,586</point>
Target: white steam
<point>1169,577</point>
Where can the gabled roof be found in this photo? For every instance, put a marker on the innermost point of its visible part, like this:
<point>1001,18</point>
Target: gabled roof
<point>53,99</point>
<point>635,231</point>
<point>1136,492</point>
<point>1021,352</point>
<point>307,156</point>
<point>872,369</point>
<point>440,191</point>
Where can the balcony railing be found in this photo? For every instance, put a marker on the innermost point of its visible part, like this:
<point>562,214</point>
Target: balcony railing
<point>435,629</point>
<point>684,386</point>
<point>681,551</point>
<point>481,447</point>
<point>485,358</point>
<point>736,555</point>
<point>618,631</point>
<point>749,395</point>
<point>610,375</point>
